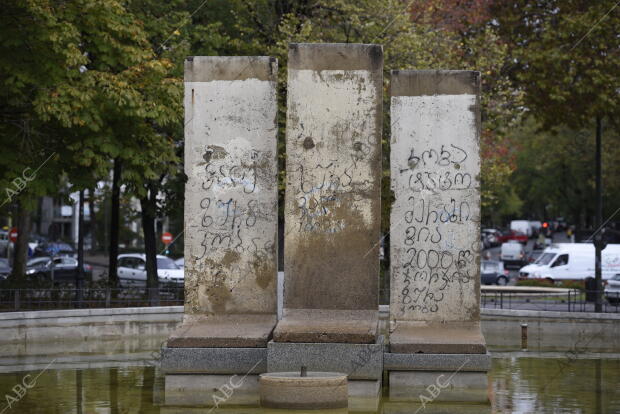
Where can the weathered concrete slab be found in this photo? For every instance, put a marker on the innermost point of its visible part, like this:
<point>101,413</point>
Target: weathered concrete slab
<point>451,386</point>
<point>231,192</point>
<point>435,218</point>
<point>434,338</point>
<point>211,390</point>
<point>358,361</point>
<point>332,206</point>
<point>223,331</point>
<point>314,325</point>
<point>437,362</point>
<point>214,360</point>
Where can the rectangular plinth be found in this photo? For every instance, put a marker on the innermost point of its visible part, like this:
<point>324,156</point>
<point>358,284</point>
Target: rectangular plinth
<point>440,338</point>
<point>211,390</point>
<point>214,360</point>
<point>333,326</point>
<point>364,395</point>
<point>437,362</point>
<point>358,361</point>
<point>223,331</point>
<point>435,407</point>
<point>438,386</point>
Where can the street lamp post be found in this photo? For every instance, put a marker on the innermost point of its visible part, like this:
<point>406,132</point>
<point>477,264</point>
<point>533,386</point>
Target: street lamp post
<point>599,243</point>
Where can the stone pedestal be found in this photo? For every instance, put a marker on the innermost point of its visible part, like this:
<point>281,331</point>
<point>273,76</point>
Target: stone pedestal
<point>364,396</point>
<point>313,391</point>
<point>441,377</point>
<point>435,232</point>
<point>358,361</point>
<point>333,207</point>
<point>230,217</point>
<point>434,407</point>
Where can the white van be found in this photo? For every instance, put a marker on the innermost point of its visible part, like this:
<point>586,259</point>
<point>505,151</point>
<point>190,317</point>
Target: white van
<point>522,226</point>
<point>512,254</point>
<point>572,261</point>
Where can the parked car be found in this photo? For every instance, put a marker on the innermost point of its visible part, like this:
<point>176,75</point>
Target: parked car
<point>49,249</point>
<point>492,236</point>
<point>59,269</point>
<point>34,241</point>
<point>132,270</point>
<point>484,241</point>
<point>492,272</point>
<point>180,262</point>
<point>512,254</point>
<point>5,269</point>
<point>510,235</point>
<point>612,289</point>
<point>521,226</point>
<point>4,242</point>
<point>572,261</point>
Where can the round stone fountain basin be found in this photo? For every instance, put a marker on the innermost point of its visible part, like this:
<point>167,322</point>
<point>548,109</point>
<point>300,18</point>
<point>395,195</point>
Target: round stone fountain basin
<point>316,390</point>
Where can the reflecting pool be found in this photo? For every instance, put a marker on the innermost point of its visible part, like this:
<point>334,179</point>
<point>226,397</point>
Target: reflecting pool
<point>520,382</point>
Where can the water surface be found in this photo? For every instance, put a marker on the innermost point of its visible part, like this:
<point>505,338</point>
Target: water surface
<point>520,383</point>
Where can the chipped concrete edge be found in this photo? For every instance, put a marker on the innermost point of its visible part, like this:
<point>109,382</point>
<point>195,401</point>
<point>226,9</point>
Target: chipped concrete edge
<point>434,82</point>
<point>335,56</point>
<point>230,68</point>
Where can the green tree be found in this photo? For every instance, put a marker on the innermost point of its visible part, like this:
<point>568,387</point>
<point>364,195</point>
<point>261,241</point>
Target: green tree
<point>90,88</point>
<point>566,60</point>
<point>413,39</point>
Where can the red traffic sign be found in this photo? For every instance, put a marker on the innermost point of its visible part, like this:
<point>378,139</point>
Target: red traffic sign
<point>13,234</point>
<point>166,238</point>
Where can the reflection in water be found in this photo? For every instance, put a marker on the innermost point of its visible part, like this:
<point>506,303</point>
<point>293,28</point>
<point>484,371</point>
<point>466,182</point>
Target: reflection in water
<point>521,384</point>
<point>558,385</point>
<point>113,388</point>
<point>79,388</point>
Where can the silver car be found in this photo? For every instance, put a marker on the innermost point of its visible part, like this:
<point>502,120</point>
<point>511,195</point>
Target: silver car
<point>612,290</point>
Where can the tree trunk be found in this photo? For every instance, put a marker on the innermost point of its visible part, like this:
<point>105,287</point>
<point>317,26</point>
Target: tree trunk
<point>598,236</point>
<point>148,207</point>
<point>20,251</point>
<point>93,220</point>
<point>114,225</point>
<point>79,275</point>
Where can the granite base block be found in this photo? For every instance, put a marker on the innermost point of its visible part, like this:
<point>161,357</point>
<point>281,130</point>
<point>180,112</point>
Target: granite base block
<point>437,362</point>
<point>214,360</point>
<point>364,395</point>
<point>435,407</point>
<point>358,361</point>
<point>211,390</point>
<point>440,386</point>
<point>219,410</point>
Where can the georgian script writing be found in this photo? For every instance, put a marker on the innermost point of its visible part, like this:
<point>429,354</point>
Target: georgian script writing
<point>224,222</point>
<point>432,263</point>
<point>321,188</point>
